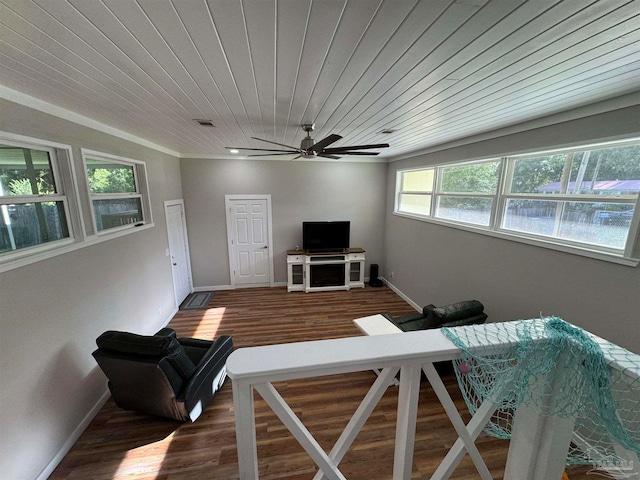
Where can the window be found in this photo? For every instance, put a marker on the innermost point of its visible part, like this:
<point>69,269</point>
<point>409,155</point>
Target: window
<point>584,199</point>
<point>415,191</point>
<point>117,190</point>
<point>586,196</point>
<point>33,204</point>
<point>43,212</point>
<point>467,193</point>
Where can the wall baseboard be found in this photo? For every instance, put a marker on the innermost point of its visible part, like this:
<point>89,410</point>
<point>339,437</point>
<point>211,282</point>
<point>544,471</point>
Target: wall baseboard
<point>402,295</point>
<point>168,319</point>
<point>213,288</point>
<point>79,430</point>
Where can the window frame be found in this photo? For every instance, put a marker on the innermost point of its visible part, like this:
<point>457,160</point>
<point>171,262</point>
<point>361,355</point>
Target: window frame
<point>71,180</point>
<point>141,186</point>
<point>427,193</point>
<point>61,162</point>
<point>504,194</point>
<point>438,193</point>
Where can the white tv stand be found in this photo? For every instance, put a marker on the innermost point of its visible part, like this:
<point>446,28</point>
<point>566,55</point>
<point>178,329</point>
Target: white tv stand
<point>322,272</point>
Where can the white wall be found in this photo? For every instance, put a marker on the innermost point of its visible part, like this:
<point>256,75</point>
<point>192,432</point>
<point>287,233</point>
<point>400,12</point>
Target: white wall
<point>52,311</point>
<point>440,265</point>
<point>300,191</point>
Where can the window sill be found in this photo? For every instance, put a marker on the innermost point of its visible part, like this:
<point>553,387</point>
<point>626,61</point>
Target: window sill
<point>584,252</point>
<point>26,257</point>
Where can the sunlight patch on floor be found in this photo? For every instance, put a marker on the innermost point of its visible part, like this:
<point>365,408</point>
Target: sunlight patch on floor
<point>209,328</point>
<point>146,459</point>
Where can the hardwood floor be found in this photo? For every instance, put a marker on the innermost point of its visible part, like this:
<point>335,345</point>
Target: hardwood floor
<point>126,445</point>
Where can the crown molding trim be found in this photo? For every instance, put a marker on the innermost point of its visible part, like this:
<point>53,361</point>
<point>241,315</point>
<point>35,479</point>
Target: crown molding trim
<point>604,106</point>
<point>60,112</point>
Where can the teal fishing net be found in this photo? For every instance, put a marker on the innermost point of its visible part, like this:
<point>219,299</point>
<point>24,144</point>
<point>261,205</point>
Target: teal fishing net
<point>556,369</point>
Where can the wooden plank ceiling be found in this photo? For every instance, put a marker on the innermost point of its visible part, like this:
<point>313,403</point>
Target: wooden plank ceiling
<point>431,71</point>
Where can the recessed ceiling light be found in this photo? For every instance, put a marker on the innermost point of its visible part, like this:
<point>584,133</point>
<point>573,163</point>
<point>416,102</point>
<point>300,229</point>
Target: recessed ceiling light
<point>233,150</point>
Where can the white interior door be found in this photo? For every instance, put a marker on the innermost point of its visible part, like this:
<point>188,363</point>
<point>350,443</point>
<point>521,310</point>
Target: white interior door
<point>178,250</point>
<point>249,222</point>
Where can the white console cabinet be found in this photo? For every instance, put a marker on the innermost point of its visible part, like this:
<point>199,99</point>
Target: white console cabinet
<point>318,272</point>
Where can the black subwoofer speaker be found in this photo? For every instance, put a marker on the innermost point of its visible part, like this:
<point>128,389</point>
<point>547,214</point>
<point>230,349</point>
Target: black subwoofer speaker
<point>374,281</point>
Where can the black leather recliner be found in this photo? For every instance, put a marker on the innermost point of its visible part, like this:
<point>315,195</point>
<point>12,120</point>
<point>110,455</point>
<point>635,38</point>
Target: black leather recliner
<point>161,374</point>
<point>467,312</point>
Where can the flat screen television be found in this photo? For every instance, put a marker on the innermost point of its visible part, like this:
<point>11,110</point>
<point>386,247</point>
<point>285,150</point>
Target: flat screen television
<point>318,237</point>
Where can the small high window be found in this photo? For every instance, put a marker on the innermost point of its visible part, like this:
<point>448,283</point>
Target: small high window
<point>117,189</point>
<point>33,205</point>
<point>415,191</point>
<point>467,193</point>
<point>43,213</point>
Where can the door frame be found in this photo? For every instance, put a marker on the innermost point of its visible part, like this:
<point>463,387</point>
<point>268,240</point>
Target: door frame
<point>172,203</point>
<point>227,207</point>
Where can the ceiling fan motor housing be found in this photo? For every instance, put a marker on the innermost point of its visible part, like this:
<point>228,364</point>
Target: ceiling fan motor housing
<point>307,143</point>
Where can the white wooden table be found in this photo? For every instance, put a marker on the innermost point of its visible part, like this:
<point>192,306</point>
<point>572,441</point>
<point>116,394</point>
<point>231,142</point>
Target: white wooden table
<point>376,325</point>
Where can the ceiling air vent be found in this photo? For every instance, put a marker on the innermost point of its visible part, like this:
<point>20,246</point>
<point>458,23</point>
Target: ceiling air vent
<point>204,122</point>
<point>387,131</point>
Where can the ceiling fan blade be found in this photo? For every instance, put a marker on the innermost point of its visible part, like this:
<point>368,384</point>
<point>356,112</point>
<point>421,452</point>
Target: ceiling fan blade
<point>261,149</point>
<point>335,157</point>
<point>276,143</point>
<point>324,142</point>
<point>349,153</point>
<point>270,154</point>
<point>355,147</point>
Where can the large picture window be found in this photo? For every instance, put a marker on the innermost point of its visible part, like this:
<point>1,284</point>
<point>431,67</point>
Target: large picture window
<point>33,204</point>
<point>116,186</point>
<point>584,198</point>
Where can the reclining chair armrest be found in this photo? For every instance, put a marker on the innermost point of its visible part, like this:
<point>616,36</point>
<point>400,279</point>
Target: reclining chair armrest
<point>213,361</point>
<point>195,342</point>
<point>165,332</point>
<point>427,309</point>
<point>412,317</point>
<point>196,348</point>
<point>477,319</point>
<point>404,318</point>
